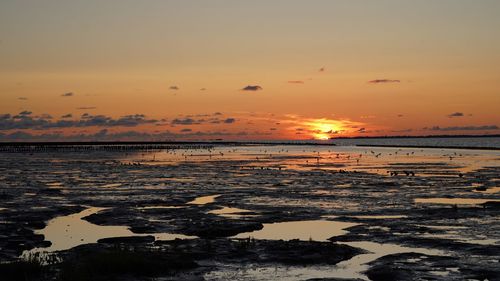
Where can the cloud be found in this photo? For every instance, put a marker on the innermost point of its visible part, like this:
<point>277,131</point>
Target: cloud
<point>86,107</point>
<point>402,131</point>
<point>175,88</point>
<point>68,94</point>
<point>69,115</point>
<point>25,113</point>
<point>184,121</point>
<point>22,98</point>
<point>400,115</point>
<point>455,114</point>
<point>203,89</point>
<point>296,82</point>
<point>46,116</point>
<point>25,120</point>
<point>377,81</point>
<point>189,120</point>
<point>105,135</point>
<point>186,130</point>
<point>463,128</point>
<point>252,88</point>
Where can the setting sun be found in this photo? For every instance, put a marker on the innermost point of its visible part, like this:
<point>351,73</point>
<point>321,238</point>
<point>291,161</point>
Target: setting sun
<point>323,129</point>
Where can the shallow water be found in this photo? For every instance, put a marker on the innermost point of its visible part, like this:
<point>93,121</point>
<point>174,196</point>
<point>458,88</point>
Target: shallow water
<point>352,268</point>
<point>204,200</point>
<point>229,212</point>
<point>455,201</point>
<point>258,184</point>
<point>381,217</point>
<point>317,230</point>
<point>66,232</point>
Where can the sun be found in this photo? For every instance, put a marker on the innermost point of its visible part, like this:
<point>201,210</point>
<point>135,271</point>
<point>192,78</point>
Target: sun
<point>325,129</point>
<point>322,129</point>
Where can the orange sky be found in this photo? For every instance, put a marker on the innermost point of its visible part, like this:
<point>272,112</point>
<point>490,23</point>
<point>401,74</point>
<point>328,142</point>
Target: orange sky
<point>281,70</point>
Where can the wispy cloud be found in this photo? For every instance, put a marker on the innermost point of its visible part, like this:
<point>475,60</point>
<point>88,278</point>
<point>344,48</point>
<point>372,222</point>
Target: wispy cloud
<point>455,114</point>
<point>184,121</point>
<point>192,120</point>
<point>252,88</point>
<point>296,82</point>
<point>175,88</point>
<point>68,94</point>
<point>86,107</point>
<point>463,128</point>
<point>379,81</point>
<point>229,120</point>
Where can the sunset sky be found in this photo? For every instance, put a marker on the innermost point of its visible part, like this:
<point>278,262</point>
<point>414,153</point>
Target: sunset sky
<point>274,69</point>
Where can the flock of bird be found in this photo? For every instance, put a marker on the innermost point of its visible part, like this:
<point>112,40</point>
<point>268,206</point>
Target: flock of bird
<point>265,155</point>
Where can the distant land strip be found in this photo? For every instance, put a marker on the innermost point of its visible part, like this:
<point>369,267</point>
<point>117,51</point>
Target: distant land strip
<point>415,137</point>
<point>428,146</point>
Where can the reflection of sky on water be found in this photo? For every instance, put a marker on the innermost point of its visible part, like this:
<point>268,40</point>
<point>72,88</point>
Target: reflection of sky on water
<point>66,232</point>
<point>308,157</point>
<point>454,201</point>
<point>204,200</point>
<point>349,269</point>
<point>317,230</point>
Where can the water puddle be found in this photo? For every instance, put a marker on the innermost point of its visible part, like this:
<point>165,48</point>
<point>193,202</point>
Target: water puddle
<point>229,212</point>
<point>442,227</point>
<point>349,269</point>
<point>317,230</point>
<point>354,267</point>
<point>54,184</point>
<point>454,201</point>
<point>111,185</point>
<point>458,237</point>
<point>182,179</point>
<point>380,217</point>
<point>159,207</point>
<point>204,200</point>
<point>66,232</point>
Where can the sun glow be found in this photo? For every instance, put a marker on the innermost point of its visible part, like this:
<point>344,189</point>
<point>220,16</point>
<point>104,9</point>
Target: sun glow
<point>323,129</point>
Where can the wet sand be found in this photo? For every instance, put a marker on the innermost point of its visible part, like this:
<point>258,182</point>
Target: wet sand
<point>435,211</point>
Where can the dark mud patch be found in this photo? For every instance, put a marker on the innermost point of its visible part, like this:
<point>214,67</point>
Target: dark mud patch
<point>415,266</point>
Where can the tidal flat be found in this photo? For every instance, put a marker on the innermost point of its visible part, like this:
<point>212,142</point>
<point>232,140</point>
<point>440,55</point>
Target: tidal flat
<point>251,212</point>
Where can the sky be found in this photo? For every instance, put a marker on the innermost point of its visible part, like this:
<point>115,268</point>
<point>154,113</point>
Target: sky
<point>247,70</point>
